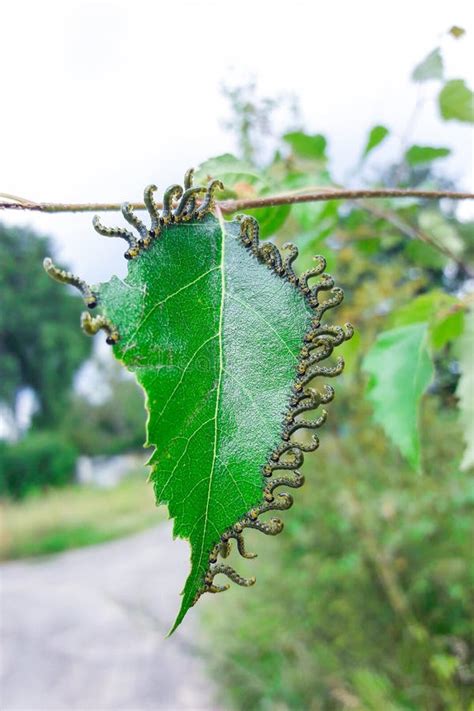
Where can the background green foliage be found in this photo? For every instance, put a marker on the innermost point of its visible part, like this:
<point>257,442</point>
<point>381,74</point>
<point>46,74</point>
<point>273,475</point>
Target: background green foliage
<point>37,461</point>
<point>42,349</point>
<point>40,345</point>
<point>365,600</point>
<point>111,426</point>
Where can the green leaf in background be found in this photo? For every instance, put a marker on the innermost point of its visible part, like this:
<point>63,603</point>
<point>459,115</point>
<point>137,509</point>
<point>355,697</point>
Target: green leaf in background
<point>424,255</point>
<point>457,32</point>
<point>445,665</point>
<point>447,326</point>
<point>376,136</point>
<point>456,102</point>
<point>317,224</point>
<point>307,146</point>
<point>350,351</point>
<point>417,155</point>
<point>312,216</point>
<point>400,369</point>
<point>374,691</point>
<point>419,309</point>
<point>311,243</point>
<point>229,170</point>
<point>223,338</point>
<point>242,180</point>
<point>430,68</point>
<point>443,313</point>
<point>465,389</point>
<point>270,219</point>
<point>441,231</point>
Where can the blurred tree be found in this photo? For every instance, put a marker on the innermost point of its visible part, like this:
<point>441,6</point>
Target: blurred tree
<point>36,462</point>
<point>109,424</point>
<point>41,346</point>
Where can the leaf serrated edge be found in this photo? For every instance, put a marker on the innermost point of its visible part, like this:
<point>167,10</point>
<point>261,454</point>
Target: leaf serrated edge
<point>181,206</point>
<point>289,454</point>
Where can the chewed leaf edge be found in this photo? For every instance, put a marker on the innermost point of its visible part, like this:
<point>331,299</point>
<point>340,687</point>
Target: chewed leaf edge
<point>191,204</point>
<point>319,343</point>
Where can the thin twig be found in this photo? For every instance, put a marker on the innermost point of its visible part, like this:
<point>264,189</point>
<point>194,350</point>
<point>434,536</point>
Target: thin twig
<point>229,206</point>
<point>415,233</point>
<point>11,202</point>
<point>339,194</point>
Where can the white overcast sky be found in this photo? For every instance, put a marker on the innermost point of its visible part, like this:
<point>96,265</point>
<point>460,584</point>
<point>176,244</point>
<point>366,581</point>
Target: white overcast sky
<point>101,98</point>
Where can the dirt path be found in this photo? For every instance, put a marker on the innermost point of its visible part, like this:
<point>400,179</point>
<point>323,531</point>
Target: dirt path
<point>85,630</point>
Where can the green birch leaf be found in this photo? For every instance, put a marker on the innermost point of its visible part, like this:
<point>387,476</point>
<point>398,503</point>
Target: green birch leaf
<point>224,338</point>
<point>446,327</point>
<point>465,389</point>
<point>376,136</point>
<point>242,181</point>
<point>270,219</point>
<point>456,102</point>
<point>456,32</point>
<point>430,68</point>
<point>418,155</point>
<point>400,369</point>
<point>307,146</point>
<point>443,313</point>
<point>232,171</point>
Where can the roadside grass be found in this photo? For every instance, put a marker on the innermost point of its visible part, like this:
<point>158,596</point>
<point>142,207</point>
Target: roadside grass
<point>75,516</point>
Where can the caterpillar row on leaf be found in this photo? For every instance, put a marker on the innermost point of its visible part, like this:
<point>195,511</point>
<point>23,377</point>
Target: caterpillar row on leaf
<point>225,340</point>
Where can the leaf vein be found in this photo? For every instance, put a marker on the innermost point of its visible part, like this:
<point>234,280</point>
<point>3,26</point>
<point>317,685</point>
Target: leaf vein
<point>267,323</point>
<point>170,296</point>
<point>178,461</point>
<point>178,384</point>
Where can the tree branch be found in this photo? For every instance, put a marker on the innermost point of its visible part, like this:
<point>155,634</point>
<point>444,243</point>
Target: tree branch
<point>11,202</point>
<point>339,194</point>
<point>415,233</point>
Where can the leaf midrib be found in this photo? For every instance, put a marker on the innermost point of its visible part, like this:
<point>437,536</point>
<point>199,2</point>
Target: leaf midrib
<point>218,392</point>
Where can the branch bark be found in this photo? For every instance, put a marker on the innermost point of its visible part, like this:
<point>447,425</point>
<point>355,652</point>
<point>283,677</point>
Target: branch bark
<point>11,202</point>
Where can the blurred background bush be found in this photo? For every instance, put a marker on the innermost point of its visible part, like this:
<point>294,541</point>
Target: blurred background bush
<point>37,461</point>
